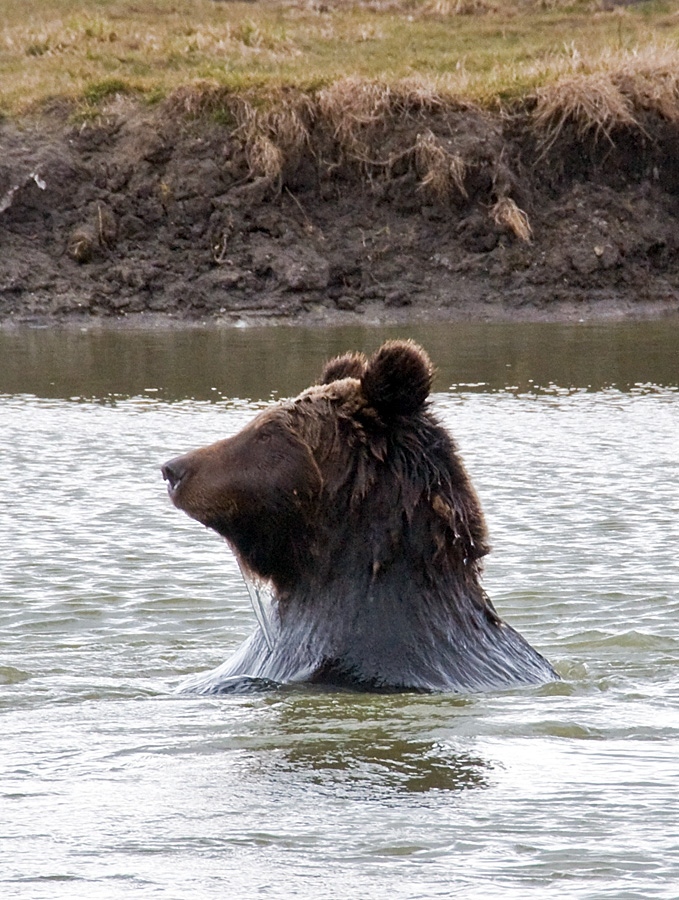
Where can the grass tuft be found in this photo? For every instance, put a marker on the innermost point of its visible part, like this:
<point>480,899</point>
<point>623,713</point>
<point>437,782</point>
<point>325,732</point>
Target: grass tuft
<point>98,92</point>
<point>507,214</point>
<point>353,107</point>
<point>650,78</point>
<point>599,95</point>
<point>440,172</point>
<point>591,103</point>
<point>276,134</point>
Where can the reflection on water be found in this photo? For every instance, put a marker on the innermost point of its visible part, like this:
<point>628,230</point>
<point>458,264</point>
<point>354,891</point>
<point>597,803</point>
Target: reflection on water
<point>360,745</point>
<point>112,786</point>
<point>254,363</point>
<point>385,765</point>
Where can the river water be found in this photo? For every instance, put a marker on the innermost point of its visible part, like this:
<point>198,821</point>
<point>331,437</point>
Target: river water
<point>112,786</point>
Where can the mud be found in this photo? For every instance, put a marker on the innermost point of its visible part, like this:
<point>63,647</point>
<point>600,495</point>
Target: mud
<point>150,214</point>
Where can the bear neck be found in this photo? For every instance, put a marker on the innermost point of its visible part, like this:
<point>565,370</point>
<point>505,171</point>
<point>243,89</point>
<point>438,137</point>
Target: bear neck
<point>362,569</point>
<point>367,607</point>
<point>390,631</point>
<point>387,595</point>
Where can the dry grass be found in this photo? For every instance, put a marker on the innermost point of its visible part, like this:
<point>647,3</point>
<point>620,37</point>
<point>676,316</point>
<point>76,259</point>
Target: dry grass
<point>488,51</point>
<point>353,107</point>
<point>440,172</point>
<point>359,112</point>
<point>598,95</point>
<point>507,214</point>
<point>650,79</point>
<point>593,96</point>
<point>275,137</point>
<point>273,126</point>
<point>592,103</point>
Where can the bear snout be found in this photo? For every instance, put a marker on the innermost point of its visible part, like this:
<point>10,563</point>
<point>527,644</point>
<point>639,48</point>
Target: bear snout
<point>174,472</point>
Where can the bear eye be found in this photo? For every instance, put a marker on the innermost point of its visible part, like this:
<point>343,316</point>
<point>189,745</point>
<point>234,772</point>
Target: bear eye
<point>264,437</point>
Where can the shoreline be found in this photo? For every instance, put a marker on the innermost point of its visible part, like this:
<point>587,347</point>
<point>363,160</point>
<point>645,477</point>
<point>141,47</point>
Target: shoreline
<point>429,212</point>
<point>151,321</point>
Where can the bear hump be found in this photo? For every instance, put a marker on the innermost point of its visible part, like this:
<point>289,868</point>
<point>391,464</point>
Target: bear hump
<point>397,378</point>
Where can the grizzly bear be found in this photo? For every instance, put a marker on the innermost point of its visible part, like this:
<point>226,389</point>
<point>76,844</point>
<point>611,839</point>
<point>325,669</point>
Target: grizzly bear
<point>351,502</point>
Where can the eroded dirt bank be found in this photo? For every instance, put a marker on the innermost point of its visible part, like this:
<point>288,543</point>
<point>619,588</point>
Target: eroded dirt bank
<point>418,215</point>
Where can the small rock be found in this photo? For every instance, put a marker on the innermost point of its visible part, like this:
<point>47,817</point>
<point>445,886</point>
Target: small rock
<point>302,269</point>
<point>397,298</point>
<point>584,260</point>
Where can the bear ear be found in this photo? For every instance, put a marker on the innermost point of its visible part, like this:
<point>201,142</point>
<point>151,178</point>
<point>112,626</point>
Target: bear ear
<point>351,365</point>
<point>398,378</point>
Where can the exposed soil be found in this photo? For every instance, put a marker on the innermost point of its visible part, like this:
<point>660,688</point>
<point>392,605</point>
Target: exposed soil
<point>153,213</point>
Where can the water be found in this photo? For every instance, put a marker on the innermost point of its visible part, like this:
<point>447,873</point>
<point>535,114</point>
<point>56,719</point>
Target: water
<point>112,786</point>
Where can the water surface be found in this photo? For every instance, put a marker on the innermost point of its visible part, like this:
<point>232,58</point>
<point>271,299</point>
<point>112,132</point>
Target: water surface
<point>113,786</point>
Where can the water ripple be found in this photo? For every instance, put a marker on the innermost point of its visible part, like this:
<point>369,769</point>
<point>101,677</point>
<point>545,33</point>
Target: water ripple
<point>108,597</point>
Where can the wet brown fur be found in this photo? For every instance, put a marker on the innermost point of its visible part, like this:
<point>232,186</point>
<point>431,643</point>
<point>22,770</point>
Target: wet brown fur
<point>352,500</point>
<point>332,449</point>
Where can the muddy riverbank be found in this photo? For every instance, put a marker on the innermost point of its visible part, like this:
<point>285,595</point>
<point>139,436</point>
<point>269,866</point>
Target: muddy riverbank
<point>188,212</point>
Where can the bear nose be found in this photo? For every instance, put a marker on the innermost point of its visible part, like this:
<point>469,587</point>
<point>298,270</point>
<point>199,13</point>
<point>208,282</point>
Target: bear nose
<point>173,472</point>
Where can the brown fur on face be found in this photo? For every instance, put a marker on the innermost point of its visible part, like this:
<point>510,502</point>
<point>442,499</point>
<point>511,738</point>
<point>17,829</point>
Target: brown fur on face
<point>256,490</point>
<point>355,466</point>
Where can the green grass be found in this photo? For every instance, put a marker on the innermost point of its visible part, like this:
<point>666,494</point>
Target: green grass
<point>86,51</point>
